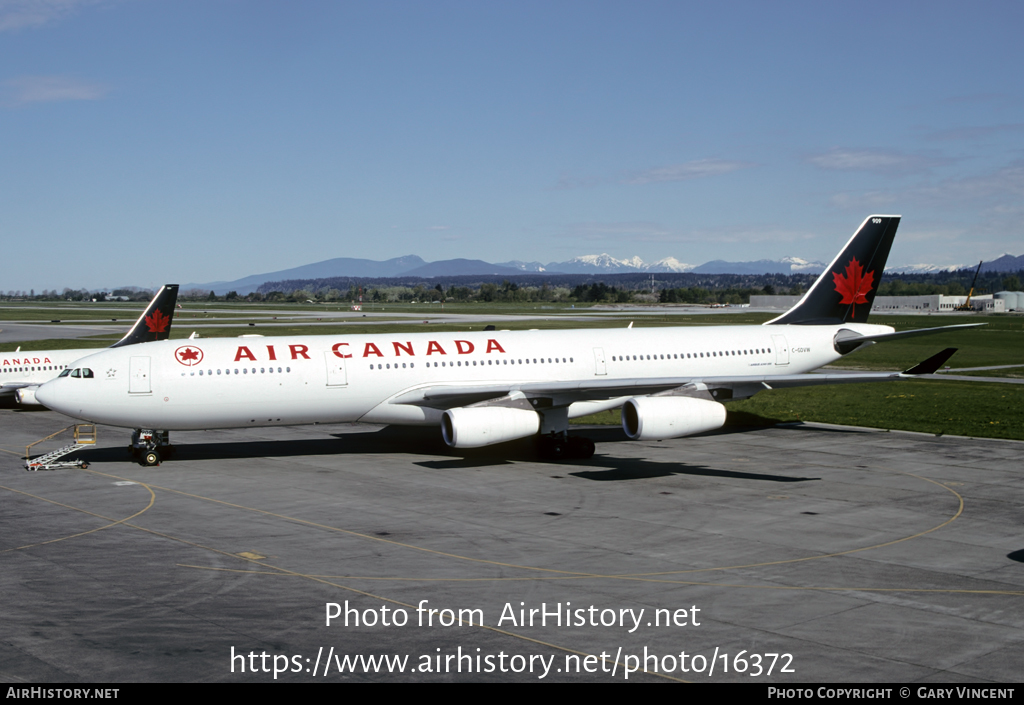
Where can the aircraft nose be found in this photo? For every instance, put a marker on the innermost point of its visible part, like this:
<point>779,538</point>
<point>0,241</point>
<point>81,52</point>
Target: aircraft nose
<point>47,394</point>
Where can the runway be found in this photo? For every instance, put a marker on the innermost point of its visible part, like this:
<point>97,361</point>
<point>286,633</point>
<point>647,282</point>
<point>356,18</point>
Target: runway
<point>828,555</point>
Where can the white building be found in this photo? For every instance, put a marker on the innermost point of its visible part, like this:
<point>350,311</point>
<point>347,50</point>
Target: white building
<point>934,303</point>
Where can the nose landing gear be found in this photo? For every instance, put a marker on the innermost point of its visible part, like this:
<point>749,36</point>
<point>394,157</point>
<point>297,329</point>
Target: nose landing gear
<point>148,446</point>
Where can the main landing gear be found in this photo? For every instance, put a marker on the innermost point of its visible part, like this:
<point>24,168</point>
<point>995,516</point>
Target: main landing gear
<point>562,446</point>
<point>150,447</point>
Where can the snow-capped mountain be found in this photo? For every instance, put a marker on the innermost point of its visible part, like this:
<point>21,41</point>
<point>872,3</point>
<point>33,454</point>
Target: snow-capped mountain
<point>411,265</point>
<point>524,266</point>
<point>669,264</point>
<point>787,265</point>
<point>924,268</point>
<point>1006,263</point>
<point>605,263</point>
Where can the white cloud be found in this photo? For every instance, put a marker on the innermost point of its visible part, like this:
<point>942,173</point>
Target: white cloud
<point>50,89</point>
<point>686,171</point>
<point>20,14</point>
<point>882,162</point>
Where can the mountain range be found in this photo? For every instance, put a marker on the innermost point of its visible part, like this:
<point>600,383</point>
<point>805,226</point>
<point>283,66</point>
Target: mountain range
<point>415,266</point>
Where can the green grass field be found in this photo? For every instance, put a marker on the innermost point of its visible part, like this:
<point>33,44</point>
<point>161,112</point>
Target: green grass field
<point>982,409</point>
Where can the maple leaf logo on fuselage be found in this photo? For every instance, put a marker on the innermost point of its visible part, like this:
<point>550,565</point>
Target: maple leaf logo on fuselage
<point>854,285</point>
<point>188,355</point>
<point>158,322</point>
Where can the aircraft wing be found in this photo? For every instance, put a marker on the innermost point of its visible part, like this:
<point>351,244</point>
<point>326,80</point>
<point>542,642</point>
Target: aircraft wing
<point>564,393</point>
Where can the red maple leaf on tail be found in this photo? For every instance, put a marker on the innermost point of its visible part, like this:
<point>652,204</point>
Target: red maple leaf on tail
<point>854,285</point>
<point>158,322</point>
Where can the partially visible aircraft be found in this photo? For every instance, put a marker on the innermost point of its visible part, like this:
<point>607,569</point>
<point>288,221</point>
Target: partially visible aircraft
<point>21,373</point>
<point>488,387</point>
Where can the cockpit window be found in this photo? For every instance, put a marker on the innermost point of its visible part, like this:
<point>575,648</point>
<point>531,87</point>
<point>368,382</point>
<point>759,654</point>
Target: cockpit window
<point>86,372</point>
<point>77,372</point>
<point>65,373</point>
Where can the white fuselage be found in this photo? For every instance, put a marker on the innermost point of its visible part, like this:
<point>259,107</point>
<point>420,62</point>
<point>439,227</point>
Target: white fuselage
<point>241,382</point>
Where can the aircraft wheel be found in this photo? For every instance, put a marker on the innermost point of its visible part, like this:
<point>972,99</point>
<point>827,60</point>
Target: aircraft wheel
<point>150,458</point>
<point>582,448</point>
<point>553,449</point>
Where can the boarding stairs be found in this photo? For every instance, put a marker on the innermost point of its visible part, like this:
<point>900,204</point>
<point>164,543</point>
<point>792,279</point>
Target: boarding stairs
<point>85,436</point>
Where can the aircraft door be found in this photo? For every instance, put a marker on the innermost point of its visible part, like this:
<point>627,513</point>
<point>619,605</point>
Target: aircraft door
<point>337,376</point>
<point>781,349</point>
<point>599,367</point>
<point>138,376</point>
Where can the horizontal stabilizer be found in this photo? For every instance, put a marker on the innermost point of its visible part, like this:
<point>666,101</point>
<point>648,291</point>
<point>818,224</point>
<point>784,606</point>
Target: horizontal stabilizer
<point>846,341</point>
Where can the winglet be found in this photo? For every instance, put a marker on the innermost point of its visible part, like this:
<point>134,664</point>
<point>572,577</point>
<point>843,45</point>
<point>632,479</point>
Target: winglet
<point>155,321</point>
<point>932,364</point>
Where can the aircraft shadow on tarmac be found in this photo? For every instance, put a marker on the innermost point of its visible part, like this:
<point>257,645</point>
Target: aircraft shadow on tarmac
<point>423,441</point>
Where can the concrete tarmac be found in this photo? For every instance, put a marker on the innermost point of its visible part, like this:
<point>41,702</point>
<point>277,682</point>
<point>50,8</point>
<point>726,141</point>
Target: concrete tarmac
<point>824,555</point>
<point>20,332</point>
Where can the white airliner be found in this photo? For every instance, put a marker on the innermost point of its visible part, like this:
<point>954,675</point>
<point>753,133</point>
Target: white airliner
<point>21,373</point>
<point>483,388</point>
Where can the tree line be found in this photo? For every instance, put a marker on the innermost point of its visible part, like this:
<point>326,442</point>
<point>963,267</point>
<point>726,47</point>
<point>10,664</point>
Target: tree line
<point>685,288</point>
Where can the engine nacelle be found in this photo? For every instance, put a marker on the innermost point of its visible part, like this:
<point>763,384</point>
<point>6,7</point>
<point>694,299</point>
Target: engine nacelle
<point>656,418</point>
<point>27,396</point>
<point>474,427</point>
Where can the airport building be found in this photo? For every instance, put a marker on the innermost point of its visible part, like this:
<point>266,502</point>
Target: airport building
<point>935,303</point>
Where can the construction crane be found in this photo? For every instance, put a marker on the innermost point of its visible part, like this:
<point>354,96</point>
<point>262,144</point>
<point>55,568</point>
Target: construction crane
<point>966,305</point>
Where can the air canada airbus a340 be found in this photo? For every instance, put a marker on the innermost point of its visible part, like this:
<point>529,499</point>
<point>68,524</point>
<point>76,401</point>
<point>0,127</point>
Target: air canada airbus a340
<point>488,387</point>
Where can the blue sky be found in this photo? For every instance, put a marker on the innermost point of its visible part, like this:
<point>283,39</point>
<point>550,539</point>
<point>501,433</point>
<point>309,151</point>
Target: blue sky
<point>153,141</point>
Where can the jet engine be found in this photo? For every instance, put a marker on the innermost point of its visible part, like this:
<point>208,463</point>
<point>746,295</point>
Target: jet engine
<point>656,418</point>
<point>27,396</point>
<point>473,427</point>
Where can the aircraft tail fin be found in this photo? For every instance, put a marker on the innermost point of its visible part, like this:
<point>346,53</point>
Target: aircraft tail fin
<point>155,321</point>
<point>845,290</point>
